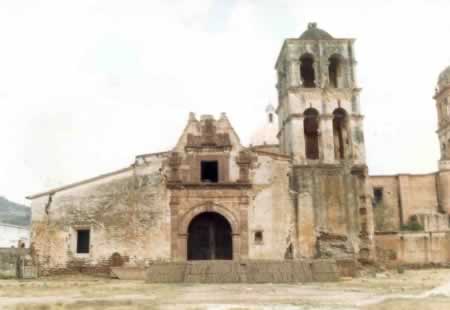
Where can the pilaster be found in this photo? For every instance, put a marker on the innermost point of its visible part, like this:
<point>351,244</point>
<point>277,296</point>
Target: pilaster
<point>326,132</point>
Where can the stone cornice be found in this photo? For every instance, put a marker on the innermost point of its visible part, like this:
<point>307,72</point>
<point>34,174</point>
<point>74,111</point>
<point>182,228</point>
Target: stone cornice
<point>324,90</point>
<point>206,186</point>
<point>322,117</point>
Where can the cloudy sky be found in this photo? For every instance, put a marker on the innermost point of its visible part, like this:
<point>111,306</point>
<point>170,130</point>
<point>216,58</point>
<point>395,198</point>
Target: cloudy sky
<point>86,85</point>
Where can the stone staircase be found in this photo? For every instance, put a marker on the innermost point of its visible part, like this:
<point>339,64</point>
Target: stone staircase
<point>250,271</point>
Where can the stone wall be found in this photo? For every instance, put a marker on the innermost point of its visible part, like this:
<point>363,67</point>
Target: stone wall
<point>419,248</point>
<point>142,214</point>
<point>271,211</point>
<point>405,196</point>
<point>127,214</point>
<point>387,213</point>
<point>337,198</point>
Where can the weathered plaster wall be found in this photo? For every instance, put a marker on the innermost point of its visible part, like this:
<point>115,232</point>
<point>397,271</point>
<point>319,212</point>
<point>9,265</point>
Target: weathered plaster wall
<point>333,194</point>
<point>404,196</point>
<point>127,213</point>
<point>387,213</point>
<point>413,248</point>
<point>271,211</point>
<point>422,195</point>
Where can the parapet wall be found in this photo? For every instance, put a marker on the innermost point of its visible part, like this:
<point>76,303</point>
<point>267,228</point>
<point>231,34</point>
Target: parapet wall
<point>414,248</point>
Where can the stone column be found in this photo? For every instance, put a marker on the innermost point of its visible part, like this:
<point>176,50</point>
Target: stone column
<point>348,136</point>
<point>182,248</point>
<point>345,78</point>
<point>357,141</point>
<point>294,73</point>
<point>324,78</point>
<point>356,108</point>
<point>316,67</point>
<point>236,246</point>
<point>242,251</point>
<point>353,64</point>
<point>327,140</point>
<point>176,254</point>
<point>297,138</point>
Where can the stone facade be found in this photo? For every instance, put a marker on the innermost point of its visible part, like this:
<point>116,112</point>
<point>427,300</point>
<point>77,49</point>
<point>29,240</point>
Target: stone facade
<point>308,197</point>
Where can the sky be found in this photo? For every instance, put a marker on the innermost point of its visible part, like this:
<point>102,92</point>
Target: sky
<point>86,85</point>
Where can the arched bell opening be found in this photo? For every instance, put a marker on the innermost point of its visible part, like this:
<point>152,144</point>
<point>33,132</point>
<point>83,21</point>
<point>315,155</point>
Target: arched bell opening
<point>307,73</point>
<point>311,131</point>
<point>341,134</point>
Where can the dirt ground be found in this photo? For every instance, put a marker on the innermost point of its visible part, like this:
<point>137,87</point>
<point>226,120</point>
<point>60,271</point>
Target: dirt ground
<point>418,290</point>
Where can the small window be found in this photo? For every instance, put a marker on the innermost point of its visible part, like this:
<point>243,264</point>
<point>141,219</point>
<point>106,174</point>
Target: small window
<point>377,196</point>
<point>83,241</point>
<point>258,237</point>
<point>210,171</point>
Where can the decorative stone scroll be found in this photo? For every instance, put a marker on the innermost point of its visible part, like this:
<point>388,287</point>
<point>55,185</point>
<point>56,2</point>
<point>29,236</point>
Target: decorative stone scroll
<point>209,137</point>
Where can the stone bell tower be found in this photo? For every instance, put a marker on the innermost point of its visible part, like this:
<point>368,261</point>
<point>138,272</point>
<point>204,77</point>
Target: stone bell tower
<point>442,98</point>
<point>321,128</point>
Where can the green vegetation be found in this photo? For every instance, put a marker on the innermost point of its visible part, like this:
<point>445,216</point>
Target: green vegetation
<point>413,224</point>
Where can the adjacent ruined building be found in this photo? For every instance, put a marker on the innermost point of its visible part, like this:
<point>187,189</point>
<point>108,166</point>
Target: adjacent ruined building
<point>301,190</point>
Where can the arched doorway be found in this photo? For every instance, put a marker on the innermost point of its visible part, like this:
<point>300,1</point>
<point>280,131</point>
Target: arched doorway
<point>210,237</point>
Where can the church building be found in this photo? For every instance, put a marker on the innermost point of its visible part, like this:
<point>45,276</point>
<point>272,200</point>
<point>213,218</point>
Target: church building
<point>301,190</point>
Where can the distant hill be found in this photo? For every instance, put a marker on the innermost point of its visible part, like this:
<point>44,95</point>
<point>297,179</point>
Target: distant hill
<point>13,213</point>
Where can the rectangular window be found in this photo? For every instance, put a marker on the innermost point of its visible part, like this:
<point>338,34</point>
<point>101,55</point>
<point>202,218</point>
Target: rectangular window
<point>258,237</point>
<point>377,196</point>
<point>83,241</point>
<point>209,171</point>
